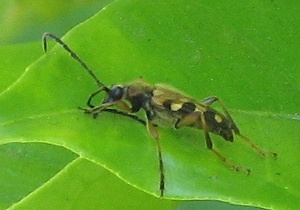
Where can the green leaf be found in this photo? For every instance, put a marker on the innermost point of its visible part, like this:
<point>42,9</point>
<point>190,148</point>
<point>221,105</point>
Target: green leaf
<point>238,52</point>
<point>81,185</point>
<point>29,172</point>
<point>25,167</point>
<point>14,60</point>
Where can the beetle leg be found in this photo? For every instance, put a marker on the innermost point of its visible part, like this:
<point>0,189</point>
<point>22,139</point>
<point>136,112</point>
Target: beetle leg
<point>154,133</point>
<point>123,106</point>
<point>132,116</point>
<point>152,130</point>
<point>188,120</point>
<point>256,148</point>
<point>209,101</point>
<point>209,145</point>
<point>95,110</point>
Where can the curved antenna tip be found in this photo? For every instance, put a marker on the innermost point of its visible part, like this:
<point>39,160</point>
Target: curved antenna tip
<point>73,54</point>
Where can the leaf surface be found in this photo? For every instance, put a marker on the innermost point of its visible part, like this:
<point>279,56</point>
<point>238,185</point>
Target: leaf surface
<point>238,52</point>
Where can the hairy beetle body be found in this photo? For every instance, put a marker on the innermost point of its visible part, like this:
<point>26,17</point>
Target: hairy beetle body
<point>164,106</point>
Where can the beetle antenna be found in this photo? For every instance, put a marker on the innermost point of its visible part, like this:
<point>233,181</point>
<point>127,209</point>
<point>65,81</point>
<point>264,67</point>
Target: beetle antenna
<point>74,55</point>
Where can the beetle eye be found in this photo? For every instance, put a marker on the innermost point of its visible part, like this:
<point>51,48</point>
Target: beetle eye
<point>116,93</point>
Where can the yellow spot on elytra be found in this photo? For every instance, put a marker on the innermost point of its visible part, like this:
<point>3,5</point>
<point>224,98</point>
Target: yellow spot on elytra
<point>218,118</point>
<point>176,107</point>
